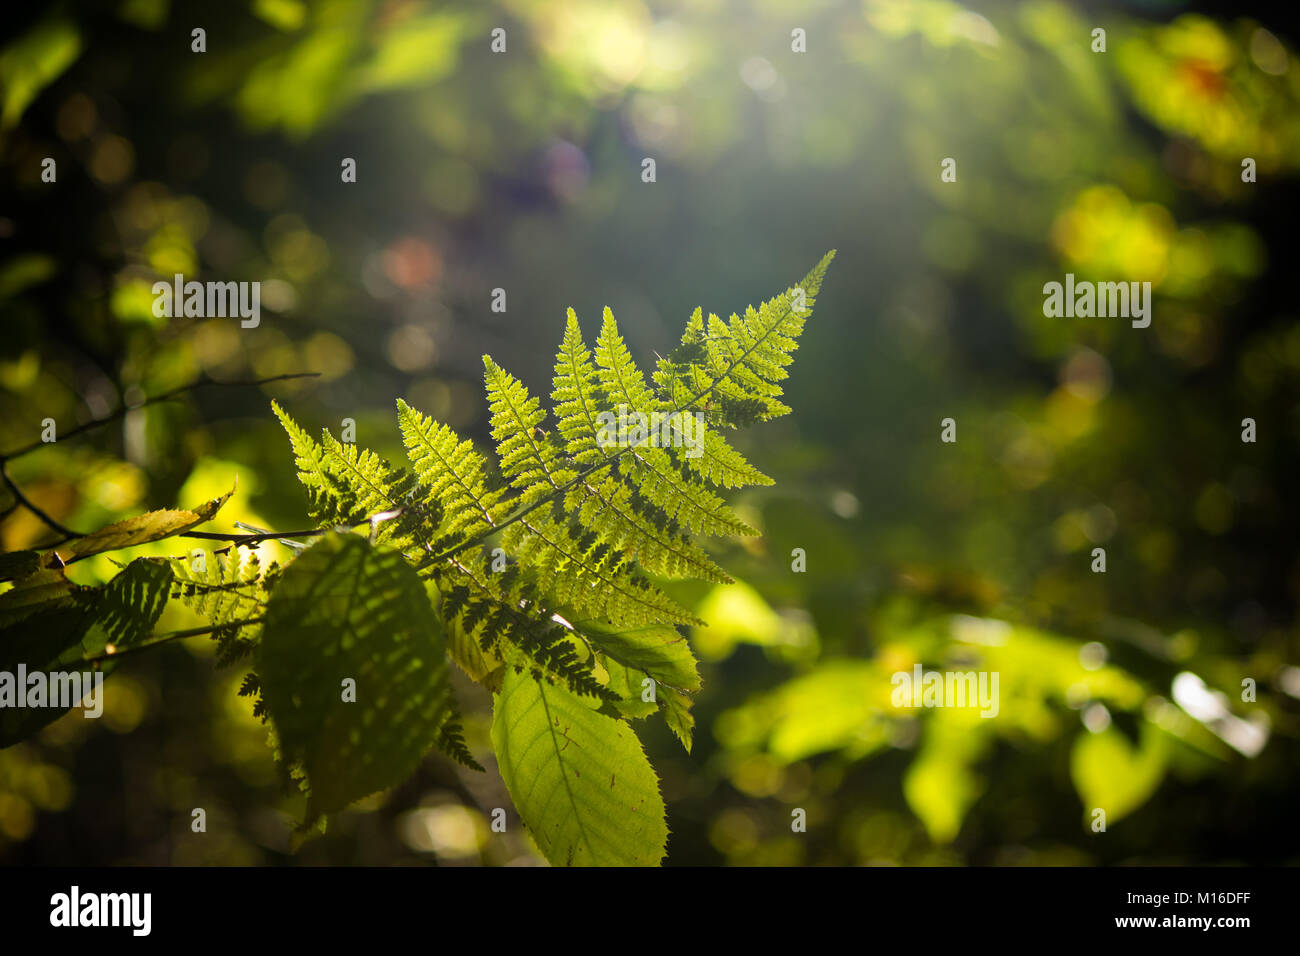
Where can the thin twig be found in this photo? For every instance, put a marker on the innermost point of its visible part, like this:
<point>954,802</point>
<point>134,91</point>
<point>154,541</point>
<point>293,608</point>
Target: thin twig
<point>252,538</point>
<point>167,639</point>
<point>154,400</point>
<point>68,533</point>
<point>26,502</point>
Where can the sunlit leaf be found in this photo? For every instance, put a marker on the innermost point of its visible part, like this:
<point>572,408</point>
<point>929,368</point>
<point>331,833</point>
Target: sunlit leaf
<point>940,784</point>
<point>1112,775</point>
<point>34,61</point>
<point>580,780</point>
<point>141,529</point>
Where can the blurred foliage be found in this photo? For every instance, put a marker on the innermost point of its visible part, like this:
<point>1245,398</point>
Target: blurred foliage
<point>521,171</point>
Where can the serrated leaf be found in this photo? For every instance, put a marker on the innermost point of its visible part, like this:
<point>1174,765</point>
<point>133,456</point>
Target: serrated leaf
<point>151,526</point>
<point>658,650</point>
<point>677,714</point>
<point>348,609</point>
<point>629,686</point>
<point>580,779</point>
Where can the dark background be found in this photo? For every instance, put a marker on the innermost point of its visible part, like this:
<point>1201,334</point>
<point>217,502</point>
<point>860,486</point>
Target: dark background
<point>522,171</point>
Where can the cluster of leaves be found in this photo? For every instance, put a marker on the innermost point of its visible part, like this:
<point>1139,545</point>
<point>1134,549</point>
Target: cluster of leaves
<point>536,577</point>
<point>51,624</point>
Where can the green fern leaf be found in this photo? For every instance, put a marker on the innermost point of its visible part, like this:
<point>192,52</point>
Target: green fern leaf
<point>567,526</point>
<point>528,459</point>
<point>588,577</point>
<point>736,365</point>
<point>652,470</point>
<point>453,473</point>
<point>578,396</point>
<point>230,592</point>
<point>346,485</point>
<point>623,516</point>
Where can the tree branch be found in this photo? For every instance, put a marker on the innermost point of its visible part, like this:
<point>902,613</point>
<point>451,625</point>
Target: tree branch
<point>22,499</point>
<point>154,400</point>
<point>68,533</point>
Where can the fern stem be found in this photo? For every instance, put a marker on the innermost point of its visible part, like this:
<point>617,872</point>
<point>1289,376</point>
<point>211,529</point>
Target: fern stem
<point>519,515</point>
<point>260,536</point>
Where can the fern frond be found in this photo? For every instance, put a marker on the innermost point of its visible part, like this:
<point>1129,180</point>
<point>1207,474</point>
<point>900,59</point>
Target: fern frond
<point>588,576</point>
<point>581,516</point>
<point>528,458</point>
<point>631,523</point>
<point>584,517</point>
<point>345,485</point>
<point>651,469</point>
<point>617,510</point>
<point>230,591</point>
<point>504,624</point>
<point>452,472</point>
<point>579,397</point>
<point>128,606</point>
<point>735,366</point>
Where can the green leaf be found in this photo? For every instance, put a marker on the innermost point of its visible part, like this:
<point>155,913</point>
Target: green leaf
<point>30,64</point>
<point>418,51</point>
<point>580,780</point>
<point>835,706</point>
<point>34,592</point>
<point>151,526</point>
<point>1110,774</point>
<point>941,785</point>
<point>347,609</point>
<point>677,714</point>
<point>662,652</point>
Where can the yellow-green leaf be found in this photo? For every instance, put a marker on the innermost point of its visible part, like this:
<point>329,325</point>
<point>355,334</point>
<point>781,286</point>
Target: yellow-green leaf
<point>151,526</point>
<point>1111,775</point>
<point>580,779</point>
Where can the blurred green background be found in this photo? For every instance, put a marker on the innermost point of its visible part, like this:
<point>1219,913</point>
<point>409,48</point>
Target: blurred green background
<point>522,171</point>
